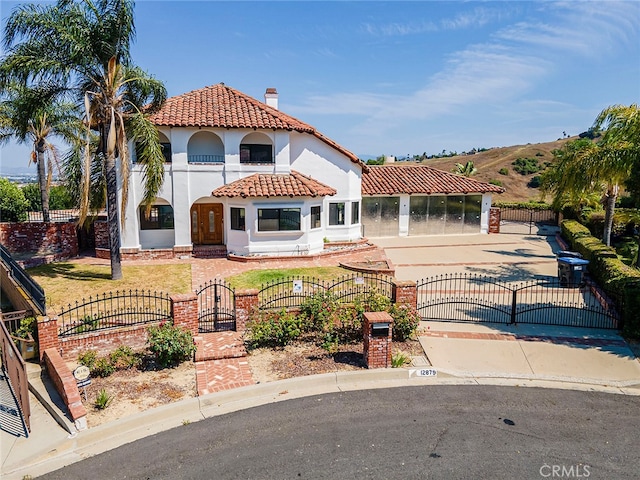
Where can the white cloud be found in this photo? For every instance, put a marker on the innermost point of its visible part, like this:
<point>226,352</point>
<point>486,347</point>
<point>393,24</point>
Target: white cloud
<point>585,28</point>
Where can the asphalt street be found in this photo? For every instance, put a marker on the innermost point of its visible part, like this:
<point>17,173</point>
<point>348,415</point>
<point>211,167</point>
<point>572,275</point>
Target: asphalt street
<point>439,432</point>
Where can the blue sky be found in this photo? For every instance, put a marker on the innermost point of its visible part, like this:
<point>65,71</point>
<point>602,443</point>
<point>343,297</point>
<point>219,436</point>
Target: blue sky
<point>400,78</point>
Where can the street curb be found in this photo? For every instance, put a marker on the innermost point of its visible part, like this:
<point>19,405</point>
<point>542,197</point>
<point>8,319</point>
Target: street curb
<point>102,438</point>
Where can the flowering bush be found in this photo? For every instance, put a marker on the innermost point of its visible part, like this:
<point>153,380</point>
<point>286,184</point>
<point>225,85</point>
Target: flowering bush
<point>273,329</point>
<point>171,345</point>
<point>405,321</point>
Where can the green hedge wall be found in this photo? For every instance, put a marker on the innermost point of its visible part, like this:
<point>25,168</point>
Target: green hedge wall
<point>616,278</point>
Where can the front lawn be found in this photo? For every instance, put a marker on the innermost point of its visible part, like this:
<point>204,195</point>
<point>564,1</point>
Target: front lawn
<point>66,282</point>
<point>257,278</point>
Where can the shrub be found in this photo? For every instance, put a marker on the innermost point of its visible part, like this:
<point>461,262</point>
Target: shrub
<point>535,182</point>
<point>102,367</point>
<point>503,171</point>
<point>377,302</point>
<point>273,329</point>
<point>405,321</point>
<point>171,345</point>
<point>495,182</point>
<point>28,326</point>
<point>526,166</point>
<point>399,360</point>
<point>124,358</point>
<point>317,310</point>
<point>88,358</point>
<point>103,400</point>
<point>13,205</point>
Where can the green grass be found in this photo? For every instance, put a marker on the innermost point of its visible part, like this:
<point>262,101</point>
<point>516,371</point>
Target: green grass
<point>66,282</point>
<point>256,278</point>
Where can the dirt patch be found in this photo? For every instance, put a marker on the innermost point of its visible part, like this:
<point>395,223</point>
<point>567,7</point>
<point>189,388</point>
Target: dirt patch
<point>307,358</point>
<point>133,391</point>
<point>136,390</point>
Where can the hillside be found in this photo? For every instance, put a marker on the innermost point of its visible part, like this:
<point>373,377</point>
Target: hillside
<point>491,161</point>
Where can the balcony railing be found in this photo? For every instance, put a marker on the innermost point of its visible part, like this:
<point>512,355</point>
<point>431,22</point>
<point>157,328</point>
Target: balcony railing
<point>206,158</point>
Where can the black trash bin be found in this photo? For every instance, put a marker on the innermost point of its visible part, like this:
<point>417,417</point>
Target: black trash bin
<point>571,271</point>
<point>568,254</point>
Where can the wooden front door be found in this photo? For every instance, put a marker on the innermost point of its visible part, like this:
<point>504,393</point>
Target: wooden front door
<point>206,224</point>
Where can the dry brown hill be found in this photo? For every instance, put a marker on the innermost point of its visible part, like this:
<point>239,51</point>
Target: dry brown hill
<point>491,161</point>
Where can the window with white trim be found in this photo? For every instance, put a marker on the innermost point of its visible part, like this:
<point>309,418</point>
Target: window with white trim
<point>336,213</point>
<point>278,219</point>
<point>316,219</point>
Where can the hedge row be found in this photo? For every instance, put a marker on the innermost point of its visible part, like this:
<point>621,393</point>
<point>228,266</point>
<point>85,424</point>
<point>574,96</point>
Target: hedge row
<point>616,278</point>
<point>523,205</point>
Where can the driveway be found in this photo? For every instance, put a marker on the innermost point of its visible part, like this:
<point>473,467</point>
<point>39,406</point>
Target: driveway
<point>511,257</point>
<point>578,356</point>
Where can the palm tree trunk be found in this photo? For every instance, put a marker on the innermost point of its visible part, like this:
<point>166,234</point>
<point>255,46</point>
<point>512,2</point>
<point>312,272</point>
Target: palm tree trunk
<point>609,209</point>
<point>42,180</point>
<point>112,218</point>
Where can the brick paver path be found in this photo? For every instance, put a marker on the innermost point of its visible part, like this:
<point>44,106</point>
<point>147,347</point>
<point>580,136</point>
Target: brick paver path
<point>221,362</point>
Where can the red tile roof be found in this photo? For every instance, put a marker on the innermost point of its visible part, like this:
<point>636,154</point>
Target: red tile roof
<point>274,185</point>
<point>419,179</point>
<point>219,106</point>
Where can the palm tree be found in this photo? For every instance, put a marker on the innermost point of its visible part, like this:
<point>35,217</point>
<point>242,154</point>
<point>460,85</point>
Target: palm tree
<point>467,169</point>
<point>33,116</point>
<point>87,50</point>
<point>584,166</point>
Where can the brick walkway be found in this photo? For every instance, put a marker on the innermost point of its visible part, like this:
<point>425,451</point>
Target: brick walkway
<point>221,362</point>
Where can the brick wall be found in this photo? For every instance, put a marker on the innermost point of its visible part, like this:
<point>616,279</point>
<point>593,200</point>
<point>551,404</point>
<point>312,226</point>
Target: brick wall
<point>246,304</point>
<point>184,311</point>
<point>101,234</point>
<point>105,341</point>
<point>48,335</point>
<point>405,292</point>
<point>57,239</point>
<point>66,386</point>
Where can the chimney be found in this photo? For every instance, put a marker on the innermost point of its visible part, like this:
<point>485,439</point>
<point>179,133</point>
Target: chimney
<point>271,97</point>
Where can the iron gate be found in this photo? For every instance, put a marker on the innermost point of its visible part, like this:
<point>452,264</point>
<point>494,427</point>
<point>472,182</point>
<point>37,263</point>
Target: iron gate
<point>216,307</point>
<point>478,298</point>
<point>528,220</point>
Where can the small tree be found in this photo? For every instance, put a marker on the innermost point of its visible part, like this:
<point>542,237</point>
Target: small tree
<point>467,169</point>
<point>13,205</point>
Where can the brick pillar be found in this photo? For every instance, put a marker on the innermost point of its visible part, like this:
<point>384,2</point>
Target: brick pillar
<point>246,303</point>
<point>184,310</point>
<point>494,220</point>
<point>377,348</point>
<point>405,292</point>
<point>48,335</point>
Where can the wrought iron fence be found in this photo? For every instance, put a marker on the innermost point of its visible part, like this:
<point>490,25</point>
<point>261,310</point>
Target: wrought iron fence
<point>54,216</point>
<point>290,292</point>
<point>216,307</point>
<point>29,285</point>
<point>113,310</point>
<point>478,298</point>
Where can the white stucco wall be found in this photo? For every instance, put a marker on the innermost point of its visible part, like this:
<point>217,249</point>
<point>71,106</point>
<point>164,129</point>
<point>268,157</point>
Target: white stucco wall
<point>186,184</point>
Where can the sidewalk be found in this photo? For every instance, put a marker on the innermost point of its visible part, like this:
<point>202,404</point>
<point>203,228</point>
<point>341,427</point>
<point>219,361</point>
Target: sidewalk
<point>531,352</point>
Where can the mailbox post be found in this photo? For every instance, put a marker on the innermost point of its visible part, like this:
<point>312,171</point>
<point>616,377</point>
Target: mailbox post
<point>377,329</point>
